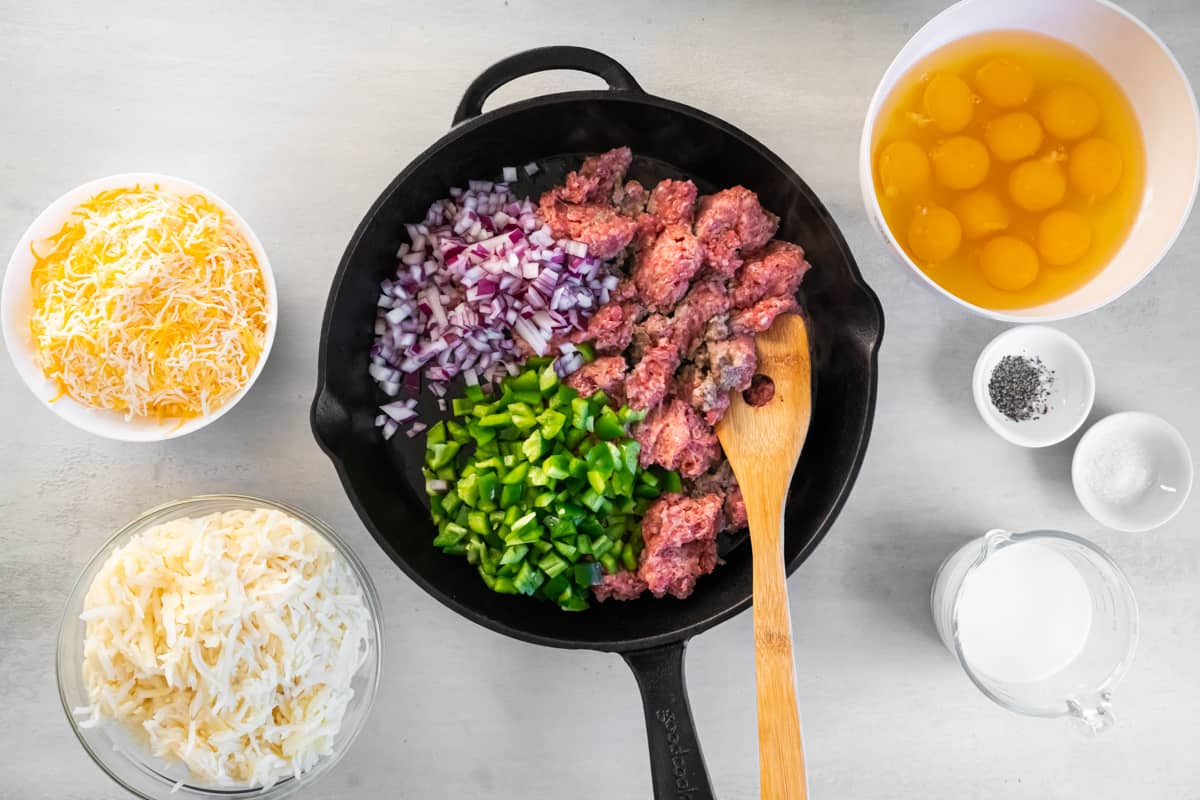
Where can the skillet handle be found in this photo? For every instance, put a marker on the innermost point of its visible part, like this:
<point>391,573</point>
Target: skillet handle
<point>540,60</point>
<point>676,764</point>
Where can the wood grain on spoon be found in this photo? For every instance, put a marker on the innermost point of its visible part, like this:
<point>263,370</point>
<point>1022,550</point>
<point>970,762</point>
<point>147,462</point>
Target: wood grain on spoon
<point>763,444</point>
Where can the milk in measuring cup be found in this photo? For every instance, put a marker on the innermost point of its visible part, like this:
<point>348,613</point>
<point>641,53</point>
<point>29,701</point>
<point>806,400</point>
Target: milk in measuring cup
<point>1024,614</point>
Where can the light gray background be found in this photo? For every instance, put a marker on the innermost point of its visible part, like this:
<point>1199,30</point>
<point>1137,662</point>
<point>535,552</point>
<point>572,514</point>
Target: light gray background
<point>299,114</point>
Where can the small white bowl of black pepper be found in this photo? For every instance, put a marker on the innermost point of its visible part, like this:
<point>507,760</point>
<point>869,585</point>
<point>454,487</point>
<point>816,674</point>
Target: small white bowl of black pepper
<point>1034,385</point>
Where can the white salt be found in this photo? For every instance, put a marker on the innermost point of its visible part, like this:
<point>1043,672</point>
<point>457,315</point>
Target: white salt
<point>1122,472</point>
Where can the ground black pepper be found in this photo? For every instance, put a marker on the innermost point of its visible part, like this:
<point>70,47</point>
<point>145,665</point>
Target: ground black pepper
<point>1020,388</point>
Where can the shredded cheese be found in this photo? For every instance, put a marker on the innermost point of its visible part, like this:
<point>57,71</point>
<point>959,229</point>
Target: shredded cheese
<point>227,642</point>
<point>148,303</point>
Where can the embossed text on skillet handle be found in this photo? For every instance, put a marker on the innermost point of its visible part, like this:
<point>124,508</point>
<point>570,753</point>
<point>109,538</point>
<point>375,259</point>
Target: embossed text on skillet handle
<point>676,763</point>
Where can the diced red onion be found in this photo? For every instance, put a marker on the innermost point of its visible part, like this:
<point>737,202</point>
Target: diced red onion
<point>400,411</point>
<point>480,269</point>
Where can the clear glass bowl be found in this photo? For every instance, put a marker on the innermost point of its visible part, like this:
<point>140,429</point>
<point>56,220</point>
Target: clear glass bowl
<point>113,747</point>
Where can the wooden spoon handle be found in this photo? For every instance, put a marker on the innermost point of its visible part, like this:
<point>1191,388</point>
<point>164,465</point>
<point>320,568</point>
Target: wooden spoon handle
<point>780,752</point>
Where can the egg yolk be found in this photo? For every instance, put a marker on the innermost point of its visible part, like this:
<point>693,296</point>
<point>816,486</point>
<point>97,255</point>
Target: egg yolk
<point>960,162</point>
<point>948,102</point>
<point>1094,168</point>
<point>981,214</point>
<point>1063,237</point>
<point>1037,185</point>
<point>1008,263</point>
<point>1013,136</point>
<point>1069,112</point>
<point>1004,83</point>
<point>903,167</point>
<point>934,234</point>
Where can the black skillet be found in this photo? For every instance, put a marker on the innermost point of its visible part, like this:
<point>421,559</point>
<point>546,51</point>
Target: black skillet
<point>668,139</point>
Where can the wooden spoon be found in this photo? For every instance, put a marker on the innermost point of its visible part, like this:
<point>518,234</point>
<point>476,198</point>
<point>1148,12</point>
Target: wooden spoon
<point>763,445</point>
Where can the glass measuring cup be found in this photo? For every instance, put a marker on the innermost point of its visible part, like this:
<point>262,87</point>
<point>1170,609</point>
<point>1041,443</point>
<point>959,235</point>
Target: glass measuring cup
<point>1044,623</point>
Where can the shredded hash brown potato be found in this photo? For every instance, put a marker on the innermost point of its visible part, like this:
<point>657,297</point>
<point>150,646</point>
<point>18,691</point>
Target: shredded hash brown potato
<point>228,642</point>
<point>148,303</point>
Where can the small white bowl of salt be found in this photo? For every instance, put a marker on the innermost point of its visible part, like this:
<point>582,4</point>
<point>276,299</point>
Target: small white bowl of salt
<point>1132,471</point>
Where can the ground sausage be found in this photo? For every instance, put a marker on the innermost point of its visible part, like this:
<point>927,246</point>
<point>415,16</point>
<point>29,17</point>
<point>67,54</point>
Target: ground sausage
<point>605,374</point>
<point>663,271</point>
<point>611,328</point>
<point>775,270</point>
<point>673,202</point>
<point>624,293</point>
<point>680,542</point>
<point>727,366</point>
<point>708,399</point>
<point>648,228</point>
<point>760,316</point>
<point>728,222</point>
<point>632,199</point>
<point>622,585</point>
<point>761,391</point>
<point>651,378</point>
<point>735,508</point>
<point>733,362</point>
<point>605,232</point>
<point>706,301</point>
<point>722,482</point>
<point>649,333</point>
<point>673,436</point>
<point>597,177</point>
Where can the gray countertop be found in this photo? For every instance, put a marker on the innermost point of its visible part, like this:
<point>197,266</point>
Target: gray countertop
<point>299,114</point>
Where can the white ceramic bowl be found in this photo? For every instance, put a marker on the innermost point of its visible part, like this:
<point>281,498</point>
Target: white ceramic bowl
<point>1132,471</point>
<point>1071,393</point>
<point>16,305</point>
<point>1161,96</point>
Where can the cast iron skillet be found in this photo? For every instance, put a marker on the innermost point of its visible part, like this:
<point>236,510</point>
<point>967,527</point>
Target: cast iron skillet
<point>668,139</point>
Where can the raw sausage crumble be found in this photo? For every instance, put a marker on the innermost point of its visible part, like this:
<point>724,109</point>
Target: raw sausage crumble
<point>704,275</point>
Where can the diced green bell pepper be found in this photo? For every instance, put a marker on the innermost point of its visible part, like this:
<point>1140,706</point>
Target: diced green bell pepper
<point>587,575</point>
<point>440,454</point>
<point>517,474</point>
<point>528,579</point>
<point>436,434</point>
<point>607,426</point>
<point>553,565</point>
<point>510,494</point>
<point>552,423</point>
<point>514,554</point>
<point>533,447</point>
<point>467,490</point>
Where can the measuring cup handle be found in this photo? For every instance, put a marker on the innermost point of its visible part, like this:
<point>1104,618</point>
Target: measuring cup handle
<point>1092,714</point>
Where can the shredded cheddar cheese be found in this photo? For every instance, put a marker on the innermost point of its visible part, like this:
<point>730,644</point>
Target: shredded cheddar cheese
<point>228,642</point>
<point>148,303</point>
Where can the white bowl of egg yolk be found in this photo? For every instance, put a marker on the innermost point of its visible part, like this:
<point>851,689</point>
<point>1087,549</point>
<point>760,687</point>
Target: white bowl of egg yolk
<point>190,316</point>
<point>1031,160</point>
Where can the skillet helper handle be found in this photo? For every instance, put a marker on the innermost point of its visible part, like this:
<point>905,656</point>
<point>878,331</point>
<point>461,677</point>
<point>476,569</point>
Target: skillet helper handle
<point>780,751</point>
<point>676,764</point>
<point>539,60</point>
